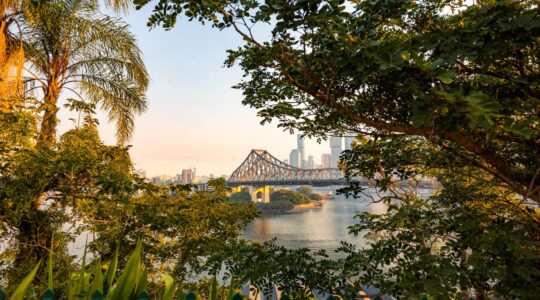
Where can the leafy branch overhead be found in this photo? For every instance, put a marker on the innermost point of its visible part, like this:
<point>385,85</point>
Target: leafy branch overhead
<point>463,76</point>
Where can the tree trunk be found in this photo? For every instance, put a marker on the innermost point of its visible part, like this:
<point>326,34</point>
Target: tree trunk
<point>47,134</point>
<point>34,241</point>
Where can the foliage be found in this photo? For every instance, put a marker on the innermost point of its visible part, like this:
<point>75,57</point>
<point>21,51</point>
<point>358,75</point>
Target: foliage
<point>469,238</point>
<point>90,185</point>
<point>290,196</point>
<point>240,197</point>
<point>275,206</point>
<point>308,191</point>
<point>71,46</point>
<point>179,231</point>
<point>463,75</point>
<point>298,272</point>
<point>131,283</point>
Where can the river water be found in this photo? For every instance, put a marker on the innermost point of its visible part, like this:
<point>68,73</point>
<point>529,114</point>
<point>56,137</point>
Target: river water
<point>317,228</point>
<point>314,228</point>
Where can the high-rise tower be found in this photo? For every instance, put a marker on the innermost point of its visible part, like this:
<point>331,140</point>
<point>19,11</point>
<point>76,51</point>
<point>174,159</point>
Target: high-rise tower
<point>335,150</point>
<point>301,150</point>
<point>294,158</point>
<point>325,161</point>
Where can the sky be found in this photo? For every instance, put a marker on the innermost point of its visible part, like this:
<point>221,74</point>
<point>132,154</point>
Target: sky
<point>194,117</point>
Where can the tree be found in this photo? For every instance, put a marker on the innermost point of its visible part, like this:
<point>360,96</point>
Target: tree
<point>40,189</point>
<point>460,75</point>
<point>240,197</point>
<point>72,47</point>
<point>468,238</point>
<point>178,232</point>
<point>443,89</point>
<point>289,196</point>
<point>308,191</point>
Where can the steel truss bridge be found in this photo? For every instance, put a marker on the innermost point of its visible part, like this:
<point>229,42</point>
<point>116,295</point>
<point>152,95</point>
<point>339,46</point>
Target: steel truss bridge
<point>261,168</point>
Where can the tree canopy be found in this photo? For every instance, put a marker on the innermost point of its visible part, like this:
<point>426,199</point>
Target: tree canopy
<point>71,47</point>
<point>462,75</point>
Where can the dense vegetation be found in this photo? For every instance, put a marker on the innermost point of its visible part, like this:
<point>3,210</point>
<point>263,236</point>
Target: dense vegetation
<point>446,89</point>
<point>442,89</point>
<point>74,185</point>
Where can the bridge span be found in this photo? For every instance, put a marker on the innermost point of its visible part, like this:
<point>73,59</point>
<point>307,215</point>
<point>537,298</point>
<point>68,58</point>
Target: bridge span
<point>261,170</point>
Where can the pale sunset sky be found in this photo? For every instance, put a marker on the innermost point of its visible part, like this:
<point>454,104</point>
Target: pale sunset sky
<point>194,117</point>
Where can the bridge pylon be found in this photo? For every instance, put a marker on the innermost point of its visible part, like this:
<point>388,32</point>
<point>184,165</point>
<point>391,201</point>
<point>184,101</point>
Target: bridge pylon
<point>254,193</point>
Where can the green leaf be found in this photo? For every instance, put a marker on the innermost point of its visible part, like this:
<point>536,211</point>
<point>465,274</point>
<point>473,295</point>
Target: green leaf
<point>447,76</point>
<point>83,280</point>
<point>49,295</point>
<point>97,283</point>
<point>20,291</point>
<point>97,295</point>
<point>127,283</point>
<point>142,280</point>
<point>111,271</point>
<point>50,265</point>
<point>213,290</point>
<point>170,287</point>
<point>232,290</point>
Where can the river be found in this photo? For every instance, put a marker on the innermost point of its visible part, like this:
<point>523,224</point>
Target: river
<point>316,228</point>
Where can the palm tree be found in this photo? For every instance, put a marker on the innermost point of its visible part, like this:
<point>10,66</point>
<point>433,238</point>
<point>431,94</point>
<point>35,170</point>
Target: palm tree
<point>70,46</point>
<point>11,57</point>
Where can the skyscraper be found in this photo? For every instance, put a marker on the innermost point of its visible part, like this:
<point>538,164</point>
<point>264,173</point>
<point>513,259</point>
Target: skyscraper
<point>335,150</point>
<point>349,138</point>
<point>301,150</point>
<point>188,175</point>
<point>325,161</point>
<point>294,158</point>
<point>310,162</point>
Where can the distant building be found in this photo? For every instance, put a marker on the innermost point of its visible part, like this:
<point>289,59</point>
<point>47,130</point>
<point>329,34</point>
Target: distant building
<point>349,138</point>
<point>310,162</point>
<point>286,161</point>
<point>162,179</point>
<point>294,158</point>
<point>335,150</point>
<point>301,150</point>
<point>188,176</point>
<point>325,161</point>
<point>201,179</point>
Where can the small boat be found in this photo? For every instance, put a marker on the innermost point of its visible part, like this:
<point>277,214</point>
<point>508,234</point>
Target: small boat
<point>329,195</point>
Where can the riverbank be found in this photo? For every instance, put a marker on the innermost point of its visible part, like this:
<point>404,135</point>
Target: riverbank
<point>307,206</point>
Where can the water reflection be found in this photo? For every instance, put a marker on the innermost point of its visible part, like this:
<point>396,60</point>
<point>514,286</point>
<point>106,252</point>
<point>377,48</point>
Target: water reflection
<point>317,228</point>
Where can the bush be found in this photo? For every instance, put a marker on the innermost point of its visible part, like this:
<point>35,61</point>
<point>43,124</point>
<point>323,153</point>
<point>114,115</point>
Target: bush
<point>282,205</point>
<point>240,197</point>
<point>291,196</point>
<point>308,191</point>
